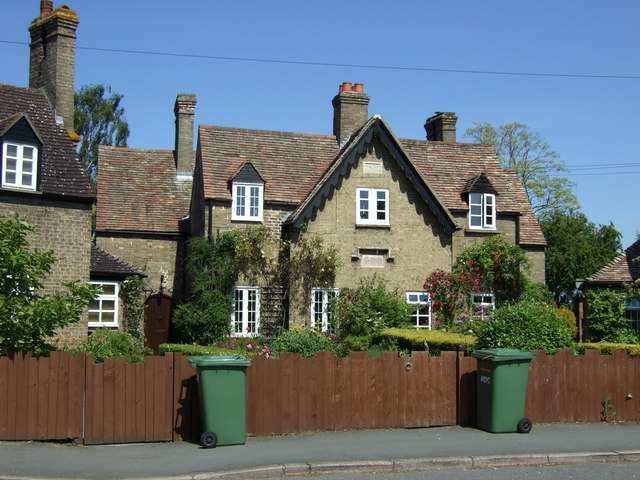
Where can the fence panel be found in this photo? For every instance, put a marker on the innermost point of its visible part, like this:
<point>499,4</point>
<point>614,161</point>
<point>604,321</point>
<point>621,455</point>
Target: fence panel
<point>129,403</point>
<point>573,388</point>
<point>41,398</point>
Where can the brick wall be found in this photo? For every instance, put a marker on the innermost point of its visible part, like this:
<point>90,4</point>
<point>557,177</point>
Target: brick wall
<point>154,255</point>
<point>409,249</point>
<point>65,228</point>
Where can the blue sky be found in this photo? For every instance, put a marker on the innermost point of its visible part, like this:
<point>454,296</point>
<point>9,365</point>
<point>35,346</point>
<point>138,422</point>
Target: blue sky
<point>590,122</point>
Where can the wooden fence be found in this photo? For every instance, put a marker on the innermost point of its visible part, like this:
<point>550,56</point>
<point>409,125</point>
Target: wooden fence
<point>66,397</point>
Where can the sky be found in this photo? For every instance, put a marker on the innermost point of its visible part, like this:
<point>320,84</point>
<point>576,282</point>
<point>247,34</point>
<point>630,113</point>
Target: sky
<point>277,65</point>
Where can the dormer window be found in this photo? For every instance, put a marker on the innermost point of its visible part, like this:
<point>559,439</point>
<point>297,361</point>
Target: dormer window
<point>247,201</point>
<point>482,211</point>
<point>19,166</point>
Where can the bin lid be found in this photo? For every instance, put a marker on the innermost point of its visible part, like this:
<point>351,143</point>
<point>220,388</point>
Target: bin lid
<point>502,354</point>
<point>219,361</point>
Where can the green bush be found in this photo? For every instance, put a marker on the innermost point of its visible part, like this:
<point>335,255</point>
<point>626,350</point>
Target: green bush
<point>525,326</point>
<point>569,319</point>
<point>306,342</point>
<point>608,348</point>
<point>606,317</point>
<point>365,310</point>
<point>105,343</point>
<point>436,340</point>
<point>195,349</point>
<point>205,321</point>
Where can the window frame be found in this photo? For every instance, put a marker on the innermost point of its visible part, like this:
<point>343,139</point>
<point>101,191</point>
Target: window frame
<point>247,327</point>
<point>487,210</point>
<point>246,200</point>
<point>327,323</point>
<point>19,168</point>
<point>418,314</point>
<point>482,303</point>
<point>632,313</point>
<point>372,206</point>
<point>105,297</point>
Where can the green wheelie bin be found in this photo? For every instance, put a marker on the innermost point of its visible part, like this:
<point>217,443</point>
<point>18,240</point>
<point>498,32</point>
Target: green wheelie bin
<point>502,389</point>
<point>223,403</point>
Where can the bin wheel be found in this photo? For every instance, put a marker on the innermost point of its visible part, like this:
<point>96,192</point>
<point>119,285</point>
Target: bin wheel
<point>524,425</point>
<point>208,440</point>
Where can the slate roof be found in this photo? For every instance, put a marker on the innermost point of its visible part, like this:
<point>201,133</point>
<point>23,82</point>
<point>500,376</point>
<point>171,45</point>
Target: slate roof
<point>103,264</point>
<point>293,166</point>
<point>621,269</point>
<point>61,172</point>
<point>138,190</point>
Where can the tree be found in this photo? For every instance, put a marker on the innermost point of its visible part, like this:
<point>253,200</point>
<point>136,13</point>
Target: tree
<point>576,249</point>
<point>99,120</point>
<point>537,166</point>
<point>27,317</point>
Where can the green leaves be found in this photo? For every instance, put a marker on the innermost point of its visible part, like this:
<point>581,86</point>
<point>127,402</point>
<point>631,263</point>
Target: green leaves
<point>537,166</point>
<point>99,120</point>
<point>27,316</point>
<point>577,248</point>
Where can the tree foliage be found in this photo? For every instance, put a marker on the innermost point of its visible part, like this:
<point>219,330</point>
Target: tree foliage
<point>536,164</point>
<point>99,120</point>
<point>576,249</point>
<point>27,316</point>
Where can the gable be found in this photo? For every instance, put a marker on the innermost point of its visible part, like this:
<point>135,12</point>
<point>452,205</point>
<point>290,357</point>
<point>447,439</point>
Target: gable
<point>373,128</point>
<point>248,174</point>
<point>19,129</point>
<point>479,184</point>
<point>622,269</point>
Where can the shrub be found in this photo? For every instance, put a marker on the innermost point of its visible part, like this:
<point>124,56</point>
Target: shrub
<point>606,317</point>
<point>105,343</point>
<point>306,342</point>
<point>608,348</point>
<point>195,349</point>
<point>436,340</point>
<point>569,319</point>
<point>525,326</point>
<point>205,321</point>
<point>365,310</point>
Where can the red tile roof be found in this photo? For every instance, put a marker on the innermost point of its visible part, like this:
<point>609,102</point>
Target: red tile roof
<point>61,172</point>
<point>293,164</point>
<point>138,191</point>
<point>622,269</point>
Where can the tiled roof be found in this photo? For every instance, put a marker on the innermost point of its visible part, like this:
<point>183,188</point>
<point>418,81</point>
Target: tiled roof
<point>61,172</point>
<point>138,190</point>
<point>292,164</point>
<point>623,268</point>
<point>104,264</point>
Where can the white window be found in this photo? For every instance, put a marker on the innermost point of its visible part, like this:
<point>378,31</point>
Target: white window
<point>19,166</point>
<point>245,319</point>
<point>632,313</point>
<point>103,310</point>
<point>421,317</point>
<point>482,210</point>
<point>373,206</point>
<point>321,317</point>
<point>483,304</point>
<point>247,202</point>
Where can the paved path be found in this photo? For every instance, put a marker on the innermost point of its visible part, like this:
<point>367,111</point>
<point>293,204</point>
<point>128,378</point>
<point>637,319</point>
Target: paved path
<point>361,450</point>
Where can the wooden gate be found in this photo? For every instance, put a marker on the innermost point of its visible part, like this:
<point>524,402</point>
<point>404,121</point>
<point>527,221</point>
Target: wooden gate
<point>157,320</point>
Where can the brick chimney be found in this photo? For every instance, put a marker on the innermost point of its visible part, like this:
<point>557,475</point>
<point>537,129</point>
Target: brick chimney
<point>185,109</point>
<point>52,58</point>
<point>350,110</point>
<point>441,127</point>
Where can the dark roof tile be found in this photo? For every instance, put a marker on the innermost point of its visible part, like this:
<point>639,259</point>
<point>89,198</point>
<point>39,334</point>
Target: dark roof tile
<point>61,172</point>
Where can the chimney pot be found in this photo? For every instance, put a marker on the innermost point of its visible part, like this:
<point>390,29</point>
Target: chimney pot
<point>346,87</point>
<point>46,7</point>
<point>358,87</point>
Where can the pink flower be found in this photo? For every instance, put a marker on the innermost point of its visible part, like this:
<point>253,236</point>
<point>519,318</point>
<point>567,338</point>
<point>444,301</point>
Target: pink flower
<point>249,346</point>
